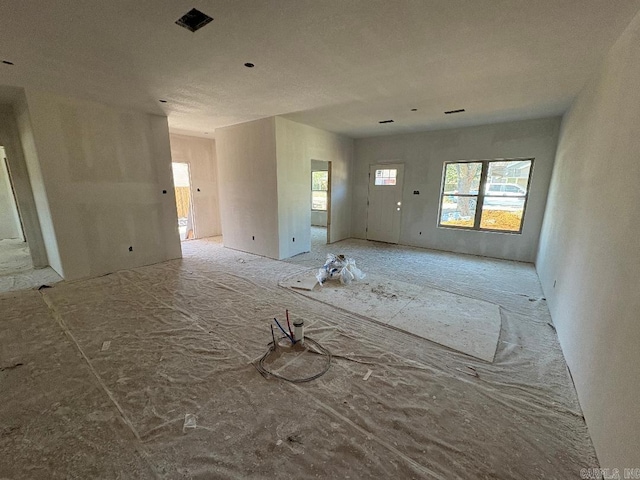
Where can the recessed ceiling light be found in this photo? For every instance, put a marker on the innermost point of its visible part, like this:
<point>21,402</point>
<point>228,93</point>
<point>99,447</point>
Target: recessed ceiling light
<point>414,109</point>
<point>454,111</point>
<point>249,65</point>
<point>385,121</point>
<point>194,20</point>
<point>7,62</point>
<point>162,101</point>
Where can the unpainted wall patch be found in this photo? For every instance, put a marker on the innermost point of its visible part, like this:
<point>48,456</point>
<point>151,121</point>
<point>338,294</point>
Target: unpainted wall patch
<point>194,20</point>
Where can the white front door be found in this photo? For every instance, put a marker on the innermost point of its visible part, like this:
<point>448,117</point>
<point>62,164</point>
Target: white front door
<point>385,202</point>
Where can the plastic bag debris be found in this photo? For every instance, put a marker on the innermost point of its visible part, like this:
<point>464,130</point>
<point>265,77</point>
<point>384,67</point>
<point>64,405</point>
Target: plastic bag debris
<point>338,267</point>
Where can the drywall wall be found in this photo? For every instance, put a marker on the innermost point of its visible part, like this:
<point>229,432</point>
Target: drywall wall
<point>297,145</point>
<point>264,172</point>
<point>200,154</point>
<point>103,172</point>
<point>588,259</point>
<point>248,187</point>
<point>318,217</point>
<point>9,219</point>
<point>423,155</point>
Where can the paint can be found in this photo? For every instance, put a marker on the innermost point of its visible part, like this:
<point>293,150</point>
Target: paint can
<point>298,331</point>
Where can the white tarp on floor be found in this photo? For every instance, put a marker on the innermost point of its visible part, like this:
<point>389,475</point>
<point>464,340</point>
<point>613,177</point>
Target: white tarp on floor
<point>462,323</point>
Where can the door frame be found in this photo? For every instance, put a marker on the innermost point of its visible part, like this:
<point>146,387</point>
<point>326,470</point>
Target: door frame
<point>383,164</point>
<point>16,207</point>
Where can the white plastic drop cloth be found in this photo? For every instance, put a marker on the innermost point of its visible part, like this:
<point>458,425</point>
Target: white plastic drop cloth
<point>338,267</point>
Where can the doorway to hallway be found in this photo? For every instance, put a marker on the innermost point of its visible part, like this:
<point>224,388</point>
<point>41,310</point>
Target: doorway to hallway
<point>320,203</point>
<point>16,266</point>
<point>184,200</point>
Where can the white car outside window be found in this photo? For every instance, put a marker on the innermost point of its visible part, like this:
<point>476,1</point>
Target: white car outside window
<point>505,189</point>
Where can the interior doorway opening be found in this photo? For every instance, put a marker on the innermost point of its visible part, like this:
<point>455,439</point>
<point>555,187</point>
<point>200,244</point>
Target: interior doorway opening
<point>10,221</point>
<point>184,200</point>
<point>17,269</point>
<point>14,252</point>
<point>320,203</point>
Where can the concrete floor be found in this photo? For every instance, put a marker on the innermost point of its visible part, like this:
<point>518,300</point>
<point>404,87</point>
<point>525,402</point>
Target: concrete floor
<point>98,375</point>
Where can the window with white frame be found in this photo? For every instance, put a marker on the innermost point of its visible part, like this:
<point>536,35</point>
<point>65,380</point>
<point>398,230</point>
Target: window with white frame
<point>488,195</point>
<point>319,189</point>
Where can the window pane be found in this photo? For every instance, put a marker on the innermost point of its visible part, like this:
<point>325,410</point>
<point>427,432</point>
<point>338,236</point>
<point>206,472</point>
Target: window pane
<point>320,180</point>
<point>509,178</point>
<point>462,178</point>
<point>318,200</point>
<point>458,211</point>
<point>502,213</point>
<point>386,177</point>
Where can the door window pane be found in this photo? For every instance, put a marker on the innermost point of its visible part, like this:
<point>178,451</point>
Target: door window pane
<point>386,176</point>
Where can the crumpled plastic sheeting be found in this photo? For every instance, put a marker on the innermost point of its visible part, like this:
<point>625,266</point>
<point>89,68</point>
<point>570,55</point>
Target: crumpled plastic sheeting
<point>184,333</point>
<point>16,268</point>
<point>55,419</point>
<point>28,279</point>
<point>341,268</point>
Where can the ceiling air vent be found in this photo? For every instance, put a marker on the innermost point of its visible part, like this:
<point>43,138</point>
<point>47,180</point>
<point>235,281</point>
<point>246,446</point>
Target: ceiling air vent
<point>460,110</point>
<point>385,121</point>
<point>194,20</point>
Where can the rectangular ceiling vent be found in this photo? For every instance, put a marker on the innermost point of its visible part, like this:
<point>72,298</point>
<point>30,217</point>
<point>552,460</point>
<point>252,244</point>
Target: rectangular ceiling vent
<point>194,20</point>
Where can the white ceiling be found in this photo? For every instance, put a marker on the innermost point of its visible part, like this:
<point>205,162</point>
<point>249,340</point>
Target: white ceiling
<point>341,65</point>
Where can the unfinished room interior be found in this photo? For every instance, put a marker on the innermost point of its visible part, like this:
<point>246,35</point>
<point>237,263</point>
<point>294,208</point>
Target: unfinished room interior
<point>253,239</point>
